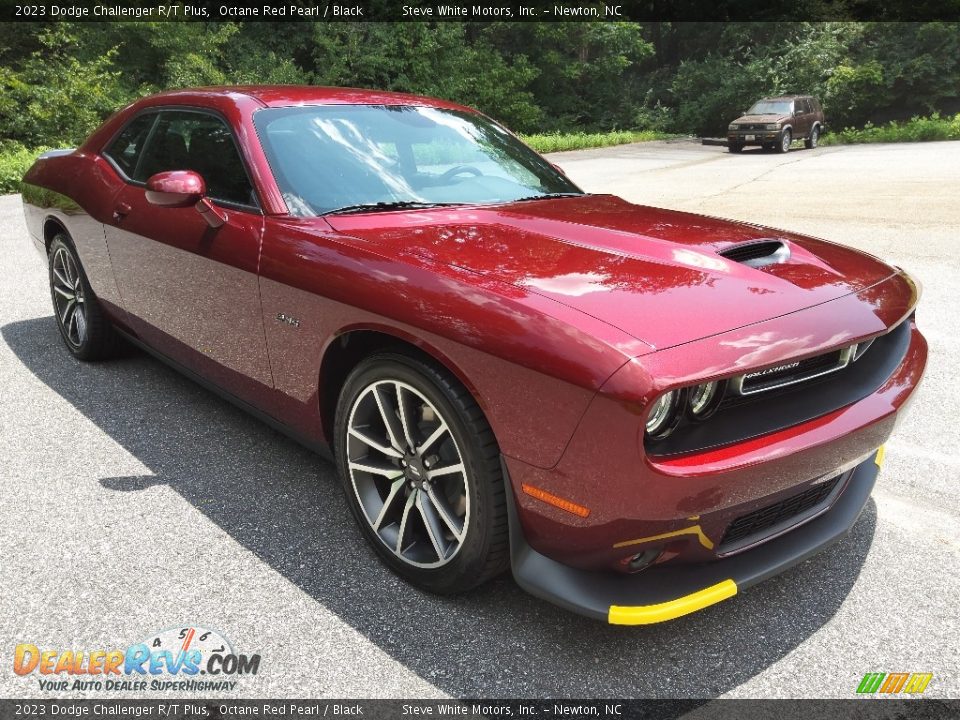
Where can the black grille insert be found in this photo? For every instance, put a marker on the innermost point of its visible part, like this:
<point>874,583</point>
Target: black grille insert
<point>753,526</point>
<point>792,372</point>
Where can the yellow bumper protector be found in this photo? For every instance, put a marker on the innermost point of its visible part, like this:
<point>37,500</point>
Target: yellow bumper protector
<point>881,454</point>
<point>649,614</point>
<point>692,530</point>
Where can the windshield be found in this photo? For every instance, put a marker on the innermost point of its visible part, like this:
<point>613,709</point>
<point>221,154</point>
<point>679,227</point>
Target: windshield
<point>771,107</point>
<point>327,158</point>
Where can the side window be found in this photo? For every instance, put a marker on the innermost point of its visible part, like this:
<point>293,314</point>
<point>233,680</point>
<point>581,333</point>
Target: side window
<point>196,141</point>
<point>126,148</point>
<point>803,106</point>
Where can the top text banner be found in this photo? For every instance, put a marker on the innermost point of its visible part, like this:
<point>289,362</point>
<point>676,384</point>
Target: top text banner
<point>476,11</point>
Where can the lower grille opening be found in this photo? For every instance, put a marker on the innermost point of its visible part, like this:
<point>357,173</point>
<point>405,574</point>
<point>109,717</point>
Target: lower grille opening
<point>754,527</point>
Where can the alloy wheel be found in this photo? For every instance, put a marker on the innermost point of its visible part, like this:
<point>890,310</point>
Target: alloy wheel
<point>408,473</point>
<point>785,141</point>
<point>68,296</point>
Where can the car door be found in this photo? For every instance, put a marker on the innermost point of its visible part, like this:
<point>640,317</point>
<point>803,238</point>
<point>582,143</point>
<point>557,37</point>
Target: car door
<point>802,119</point>
<point>191,290</point>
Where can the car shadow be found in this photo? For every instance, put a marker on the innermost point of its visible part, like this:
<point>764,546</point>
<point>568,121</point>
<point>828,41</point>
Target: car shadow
<point>285,505</point>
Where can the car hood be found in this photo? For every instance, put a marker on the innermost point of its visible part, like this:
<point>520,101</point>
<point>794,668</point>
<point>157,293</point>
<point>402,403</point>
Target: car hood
<point>758,119</point>
<point>653,273</point>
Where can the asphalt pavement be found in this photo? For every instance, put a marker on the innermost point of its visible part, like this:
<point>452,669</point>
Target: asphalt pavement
<point>132,500</point>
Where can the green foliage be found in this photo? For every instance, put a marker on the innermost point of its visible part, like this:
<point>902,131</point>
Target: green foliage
<point>55,97</point>
<point>15,160</point>
<point>558,142</point>
<point>853,92</point>
<point>583,70</point>
<point>917,129</point>
<point>59,81</point>
<point>704,73</point>
<point>435,60</point>
<point>709,93</point>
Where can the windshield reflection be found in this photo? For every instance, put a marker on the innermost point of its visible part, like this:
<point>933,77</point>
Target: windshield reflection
<point>328,158</point>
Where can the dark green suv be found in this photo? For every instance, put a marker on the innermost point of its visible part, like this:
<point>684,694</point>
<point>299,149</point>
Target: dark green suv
<point>775,122</point>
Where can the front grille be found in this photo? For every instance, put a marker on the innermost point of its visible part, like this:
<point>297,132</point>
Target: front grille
<point>794,372</point>
<point>762,521</point>
<point>750,126</point>
<point>820,390</point>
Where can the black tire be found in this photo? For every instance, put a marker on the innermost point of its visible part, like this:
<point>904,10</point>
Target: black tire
<point>84,327</point>
<point>483,550</point>
<point>735,148</point>
<point>783,144</point>
<point>813,141</point>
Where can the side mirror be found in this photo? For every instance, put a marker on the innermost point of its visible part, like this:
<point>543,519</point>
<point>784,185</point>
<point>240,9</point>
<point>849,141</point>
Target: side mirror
<point>558,169</point>
<point>176,188</point>
<point>183,188</point>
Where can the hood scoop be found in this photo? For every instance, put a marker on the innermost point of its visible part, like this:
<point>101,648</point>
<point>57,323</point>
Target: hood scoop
<point>758,253</point>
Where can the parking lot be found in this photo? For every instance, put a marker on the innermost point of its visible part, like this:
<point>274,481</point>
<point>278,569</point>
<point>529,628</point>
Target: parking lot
<point>135,501</point>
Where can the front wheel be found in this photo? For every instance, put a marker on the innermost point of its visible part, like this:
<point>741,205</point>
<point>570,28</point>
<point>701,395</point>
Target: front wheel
<point>735,148</point>
<point>785,139</point>
<point>421,470</point>
<point>85,329</point>
<point>814,139</point>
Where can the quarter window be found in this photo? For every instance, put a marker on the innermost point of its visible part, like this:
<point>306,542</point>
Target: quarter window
<point>125,150</point>
<point>203,143</point>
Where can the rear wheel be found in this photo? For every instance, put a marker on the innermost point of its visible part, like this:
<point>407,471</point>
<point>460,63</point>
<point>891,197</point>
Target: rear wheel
<point>421,470</point>
<point>814,139</point>
<point>84,327</point>
<point>785,139</point>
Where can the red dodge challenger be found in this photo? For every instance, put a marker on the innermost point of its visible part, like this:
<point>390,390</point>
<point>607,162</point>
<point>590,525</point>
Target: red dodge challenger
<point>639,411</point>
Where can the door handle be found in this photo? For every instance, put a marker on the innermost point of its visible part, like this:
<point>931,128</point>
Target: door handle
<point>121,210</point>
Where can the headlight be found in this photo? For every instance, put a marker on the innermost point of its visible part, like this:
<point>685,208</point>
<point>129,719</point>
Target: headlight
<point>662,414</point>
<point>771,126</point>
<point>732,126</point>
<point>702,399</point>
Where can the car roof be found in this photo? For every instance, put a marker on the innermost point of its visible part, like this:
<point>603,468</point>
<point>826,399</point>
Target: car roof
<point>292,95</point>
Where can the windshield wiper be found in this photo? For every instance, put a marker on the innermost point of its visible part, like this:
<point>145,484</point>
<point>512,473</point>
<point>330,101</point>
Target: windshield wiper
<point>549,196</point>
<point>384,206</point>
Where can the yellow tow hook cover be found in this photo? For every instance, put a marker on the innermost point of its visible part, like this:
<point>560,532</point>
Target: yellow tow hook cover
<point>649,614</point>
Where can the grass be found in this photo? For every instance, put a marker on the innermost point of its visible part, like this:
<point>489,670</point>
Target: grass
<point>558,142</point>
<point>917,129</point>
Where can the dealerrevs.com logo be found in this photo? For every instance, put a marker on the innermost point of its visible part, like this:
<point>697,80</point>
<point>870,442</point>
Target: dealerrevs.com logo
<point>185,658</point>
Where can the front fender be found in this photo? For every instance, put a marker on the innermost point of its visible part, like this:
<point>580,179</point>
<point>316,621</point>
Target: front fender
<point>532,364</point>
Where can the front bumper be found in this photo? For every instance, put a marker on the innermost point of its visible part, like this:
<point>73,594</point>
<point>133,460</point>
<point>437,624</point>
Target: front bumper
<point>752,137</point>
<point>665,592</point>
